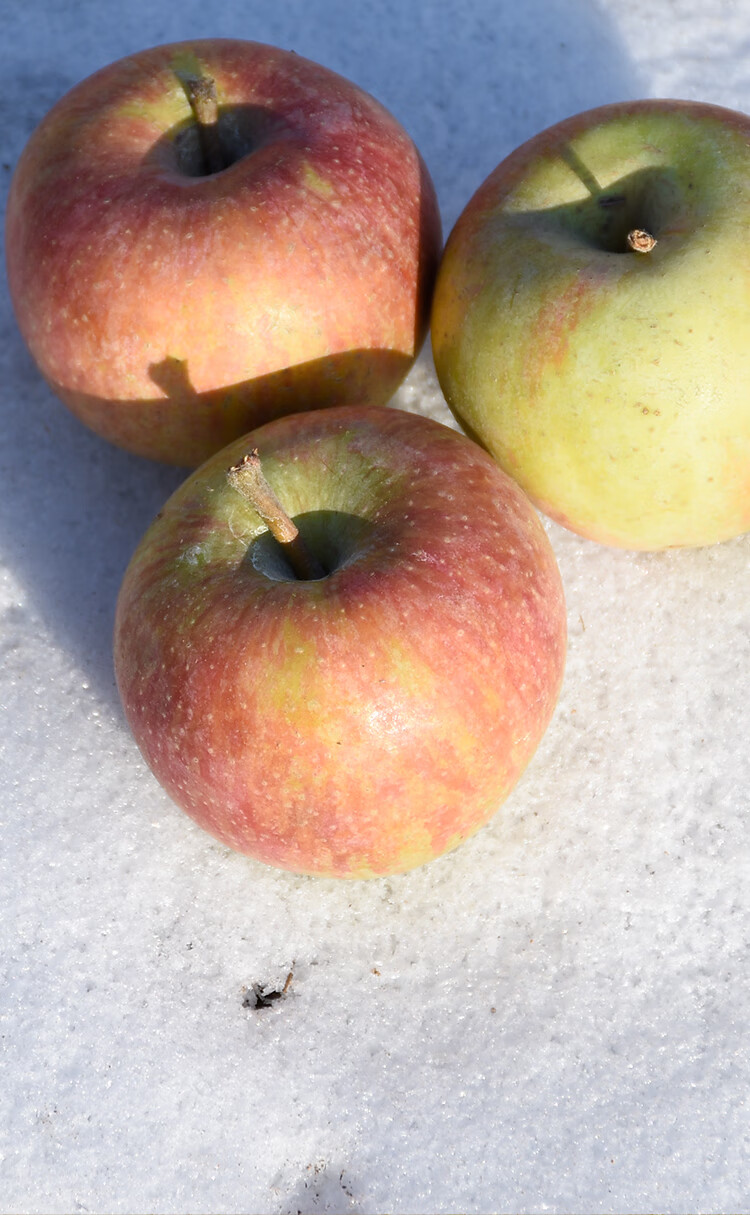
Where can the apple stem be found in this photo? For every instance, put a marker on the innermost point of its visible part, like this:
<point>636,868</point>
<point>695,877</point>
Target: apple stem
<point>640,241</point>
<point>248,479</point>
<point>201,92</point>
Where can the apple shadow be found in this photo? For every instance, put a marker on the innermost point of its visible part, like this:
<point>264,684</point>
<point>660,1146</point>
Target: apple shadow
<point>206,421</point>
<point>72,510</point>
<point>647,199</point>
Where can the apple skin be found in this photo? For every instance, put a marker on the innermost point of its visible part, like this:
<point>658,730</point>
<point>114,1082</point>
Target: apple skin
<point>174,312</point>
<point>614,386</point>
<point>363,723</point>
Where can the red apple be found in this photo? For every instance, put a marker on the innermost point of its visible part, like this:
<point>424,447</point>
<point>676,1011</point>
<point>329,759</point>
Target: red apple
<point>173,303</point>
<point>368,720</point>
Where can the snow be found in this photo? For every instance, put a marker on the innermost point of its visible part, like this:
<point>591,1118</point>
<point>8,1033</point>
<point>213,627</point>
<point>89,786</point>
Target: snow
<point>552,1018</point>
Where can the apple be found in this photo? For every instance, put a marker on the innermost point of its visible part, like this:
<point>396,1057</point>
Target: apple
<point>364,720</point>
<point>590,322</point>
<point>210,234</point>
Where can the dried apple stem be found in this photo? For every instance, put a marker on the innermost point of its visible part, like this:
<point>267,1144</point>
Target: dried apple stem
<point>248,479</point>
<point>640,241</point>
<point>201,92</point>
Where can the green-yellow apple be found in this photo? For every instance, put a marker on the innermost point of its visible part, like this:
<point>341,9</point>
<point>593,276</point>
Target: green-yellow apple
<point>207,235</point>
<point>591,316</point>
<point>364,720</point>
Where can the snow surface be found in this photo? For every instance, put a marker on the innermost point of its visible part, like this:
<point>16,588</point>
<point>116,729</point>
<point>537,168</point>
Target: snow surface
<point>554,1017</point>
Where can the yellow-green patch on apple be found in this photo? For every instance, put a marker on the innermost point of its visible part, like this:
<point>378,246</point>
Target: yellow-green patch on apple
<point>612,383</point>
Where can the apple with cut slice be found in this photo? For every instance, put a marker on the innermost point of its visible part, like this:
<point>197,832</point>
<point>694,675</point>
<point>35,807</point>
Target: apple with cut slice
<point>590,322</point>
<point>340,655</point>
<point>209,234</point>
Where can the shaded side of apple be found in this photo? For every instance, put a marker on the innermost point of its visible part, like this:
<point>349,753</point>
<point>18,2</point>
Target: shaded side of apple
<point>366,722</point>
<point>613,385</point>
<point>174,309</point>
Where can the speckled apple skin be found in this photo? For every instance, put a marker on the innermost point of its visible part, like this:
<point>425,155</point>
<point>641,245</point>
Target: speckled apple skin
<point>615,387</point>
<point>362,724</point>
<point>173,313</point>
